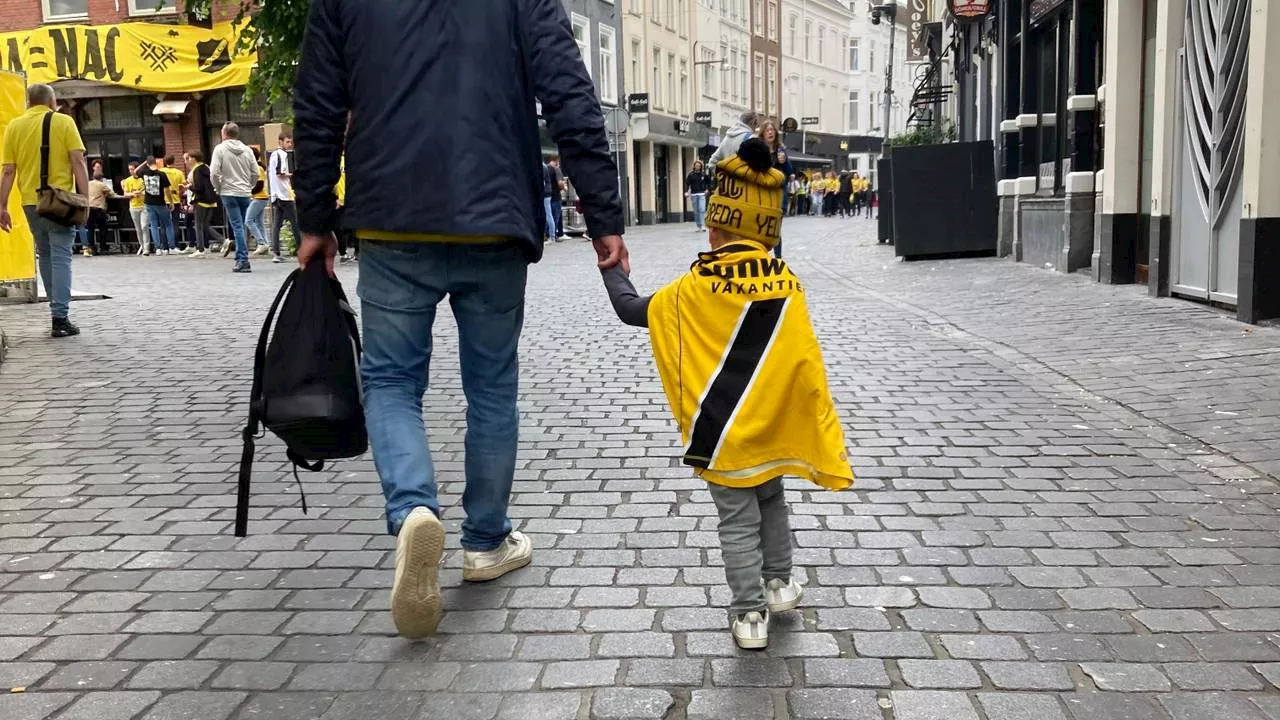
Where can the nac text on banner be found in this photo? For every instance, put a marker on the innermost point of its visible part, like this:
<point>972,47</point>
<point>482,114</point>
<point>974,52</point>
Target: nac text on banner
<point>148,57</point>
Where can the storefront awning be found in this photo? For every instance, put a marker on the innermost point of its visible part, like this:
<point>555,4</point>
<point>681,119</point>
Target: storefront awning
<point>171,107</point>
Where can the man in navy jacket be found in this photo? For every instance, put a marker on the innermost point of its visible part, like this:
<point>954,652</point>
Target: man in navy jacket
<point>444,90</point>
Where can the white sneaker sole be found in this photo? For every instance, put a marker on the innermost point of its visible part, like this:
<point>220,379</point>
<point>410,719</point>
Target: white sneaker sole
<point>790,605</point>
<point>751,643</point>
<point>496,571</point>
<point>416,607</point>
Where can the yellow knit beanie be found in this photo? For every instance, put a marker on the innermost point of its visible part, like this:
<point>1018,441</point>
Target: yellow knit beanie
<point>747,201</point>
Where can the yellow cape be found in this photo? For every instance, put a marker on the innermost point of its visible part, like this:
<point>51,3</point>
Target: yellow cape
<point>743,372</point>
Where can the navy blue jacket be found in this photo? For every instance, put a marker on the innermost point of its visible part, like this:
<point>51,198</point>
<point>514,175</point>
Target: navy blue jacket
<point>443,133</point>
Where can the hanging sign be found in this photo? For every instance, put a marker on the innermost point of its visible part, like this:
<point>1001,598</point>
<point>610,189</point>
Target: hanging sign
<point>144,56</point>
<point>966,11</point>
<point>917,39</point>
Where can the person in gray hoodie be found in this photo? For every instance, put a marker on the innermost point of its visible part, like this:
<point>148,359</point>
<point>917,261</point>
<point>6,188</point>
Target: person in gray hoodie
<point>234,172</point>
<point>741,130</point>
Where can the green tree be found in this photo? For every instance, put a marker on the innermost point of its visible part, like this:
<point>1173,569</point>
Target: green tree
<point>274,31</point>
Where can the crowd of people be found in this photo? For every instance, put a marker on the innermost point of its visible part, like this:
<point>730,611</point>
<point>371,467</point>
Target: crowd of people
<point>829,194</point>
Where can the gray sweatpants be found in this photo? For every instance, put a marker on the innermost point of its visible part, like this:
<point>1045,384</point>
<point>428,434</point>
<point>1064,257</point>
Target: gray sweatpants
<point>755,540</point>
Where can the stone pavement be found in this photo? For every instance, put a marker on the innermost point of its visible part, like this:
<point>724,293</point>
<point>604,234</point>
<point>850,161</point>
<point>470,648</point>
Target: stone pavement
<point>1066,510</point>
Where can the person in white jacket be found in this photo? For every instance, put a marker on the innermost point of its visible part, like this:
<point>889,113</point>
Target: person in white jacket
<point>741,130</point>
<point>234,172</point>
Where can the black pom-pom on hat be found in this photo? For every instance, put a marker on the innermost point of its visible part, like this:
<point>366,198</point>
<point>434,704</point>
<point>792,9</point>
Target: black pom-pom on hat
<point>756,154</point>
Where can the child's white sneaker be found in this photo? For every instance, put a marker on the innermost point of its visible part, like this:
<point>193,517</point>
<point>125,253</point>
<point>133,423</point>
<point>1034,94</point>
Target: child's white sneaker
<point>751,630</point>
<point>783,596</point>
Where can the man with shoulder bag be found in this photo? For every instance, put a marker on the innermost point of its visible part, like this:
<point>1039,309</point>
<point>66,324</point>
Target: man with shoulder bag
<point>44,156</point>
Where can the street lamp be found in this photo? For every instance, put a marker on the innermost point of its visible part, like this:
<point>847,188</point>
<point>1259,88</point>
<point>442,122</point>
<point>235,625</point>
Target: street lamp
<point>890,9</point>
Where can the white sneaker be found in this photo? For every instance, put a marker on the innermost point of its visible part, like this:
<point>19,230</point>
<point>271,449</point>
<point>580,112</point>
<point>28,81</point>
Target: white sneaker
<point>514,553</point>
<point>197,254</point>
<point>751,630</point>
<point>261,250</point>
<point>227,247</point>
<point>277,259</point>
<point>783,596</point>
<point>415,597</point>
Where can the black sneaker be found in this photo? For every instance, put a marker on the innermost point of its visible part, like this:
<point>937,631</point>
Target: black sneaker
<point>242,268</point>
<point>62,327</point>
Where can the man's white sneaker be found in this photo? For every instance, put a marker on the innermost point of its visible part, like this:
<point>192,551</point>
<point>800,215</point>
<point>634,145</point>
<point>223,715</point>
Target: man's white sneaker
<point>261,250</point>
<point>514,553</point>
<point>415,597</point>
<point>751,630</point>
<point>783,596</point>
<point>227,247</point>
<point>277,259</point>
<point>197,254</point>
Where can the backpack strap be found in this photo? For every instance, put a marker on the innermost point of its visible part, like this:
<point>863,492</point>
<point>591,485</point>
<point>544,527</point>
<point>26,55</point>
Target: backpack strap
<point>251,427</point>
<point>44,149</point>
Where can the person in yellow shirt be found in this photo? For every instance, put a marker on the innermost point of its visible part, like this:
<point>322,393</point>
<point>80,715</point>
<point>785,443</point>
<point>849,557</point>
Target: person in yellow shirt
<point>174,198</point>
<point>744,376</point>
<point>253,216</point>
<point>67,171</point>
<point>132,186</point>
<point>348,243</point>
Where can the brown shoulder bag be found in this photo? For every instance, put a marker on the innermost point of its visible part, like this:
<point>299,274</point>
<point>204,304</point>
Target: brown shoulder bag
<point>60,206</point>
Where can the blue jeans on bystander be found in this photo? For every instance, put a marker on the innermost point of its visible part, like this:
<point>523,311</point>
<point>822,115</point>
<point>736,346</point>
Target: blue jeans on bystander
<point>400,287</point>
<point>235,208</point>
<point>163,235</point>
<point>53,245</point>
<point>699,203</point>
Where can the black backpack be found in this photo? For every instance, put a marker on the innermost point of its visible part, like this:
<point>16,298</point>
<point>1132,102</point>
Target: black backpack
<point>306,382</point>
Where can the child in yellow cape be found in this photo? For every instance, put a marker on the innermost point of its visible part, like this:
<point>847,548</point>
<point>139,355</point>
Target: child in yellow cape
<point>743,372</point>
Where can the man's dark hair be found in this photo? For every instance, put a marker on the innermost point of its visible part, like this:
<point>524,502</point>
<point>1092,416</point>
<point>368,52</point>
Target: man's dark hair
<point>168,160</point>
<point>285,135</point>
<point>196,155</point>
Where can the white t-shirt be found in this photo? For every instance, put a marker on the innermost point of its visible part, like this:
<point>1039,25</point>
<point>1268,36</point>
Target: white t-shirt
<point>281,188</point>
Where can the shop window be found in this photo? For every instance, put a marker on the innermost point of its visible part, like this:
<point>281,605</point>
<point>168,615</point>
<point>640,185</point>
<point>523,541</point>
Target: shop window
<point>65,9</point>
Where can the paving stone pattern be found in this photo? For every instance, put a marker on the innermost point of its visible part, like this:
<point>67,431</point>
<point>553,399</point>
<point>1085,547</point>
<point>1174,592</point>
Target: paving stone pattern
<point>1066,510</point>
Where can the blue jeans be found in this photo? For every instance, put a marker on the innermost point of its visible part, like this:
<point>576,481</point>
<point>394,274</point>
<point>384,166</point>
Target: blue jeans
<point>551,218</point>
<point>53,245</point>
<point>253,220</point>
<point>401,284</point>
<point>162,232</point>
<point>699,203</point>
<point>235,208</point>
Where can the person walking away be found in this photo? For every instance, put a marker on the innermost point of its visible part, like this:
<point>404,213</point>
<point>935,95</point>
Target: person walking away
<point>233,173</point>
<point>844,196</point>
<point>21,160</point>
<point>132,186</point>
<point>817,191</point>
<point>472,245</point>
<point>557,196</point>
<point>348,244</point>
<point>697,184</point>
<point>280,179</point>
<point>155,198</point>
<point>548,185</point>
<point>204,203</point>
<point>744,376</point>
<point>99,228</point>
<point>744,128</point>
<point>257,206</point>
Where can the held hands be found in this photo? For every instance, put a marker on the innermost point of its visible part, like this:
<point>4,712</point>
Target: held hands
<point>6,222</point>
<point>610,251</point>
<point>318,245</point>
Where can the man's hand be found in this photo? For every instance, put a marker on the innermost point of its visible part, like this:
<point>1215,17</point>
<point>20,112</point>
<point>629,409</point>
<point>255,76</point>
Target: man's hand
<point>318,245</point>
<point>611,251</point>
<point>6,222</point>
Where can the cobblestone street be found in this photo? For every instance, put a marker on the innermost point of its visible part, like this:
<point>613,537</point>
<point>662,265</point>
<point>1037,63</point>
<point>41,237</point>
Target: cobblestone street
<point>1066,509</point>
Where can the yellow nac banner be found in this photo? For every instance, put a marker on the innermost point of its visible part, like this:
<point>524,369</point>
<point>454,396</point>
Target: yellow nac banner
<point>143,56</point>
<point>17,249</point>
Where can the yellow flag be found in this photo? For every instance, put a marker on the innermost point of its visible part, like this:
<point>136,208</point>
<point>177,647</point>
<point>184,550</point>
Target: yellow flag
<point>17,249</point>
<point>149,57</point>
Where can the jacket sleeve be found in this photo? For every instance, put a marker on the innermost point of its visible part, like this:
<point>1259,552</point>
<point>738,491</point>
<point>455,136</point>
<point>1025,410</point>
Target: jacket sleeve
<point>320,106</point>
<point>573,114</point>
<point>215,170</point>
<point>631,308</point>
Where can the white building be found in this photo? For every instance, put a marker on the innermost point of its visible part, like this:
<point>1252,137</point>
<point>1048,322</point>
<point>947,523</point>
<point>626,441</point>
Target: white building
<point>816,79</point>
<point>658,80</point>
<point>722,48</point>
<point>867,53</point>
